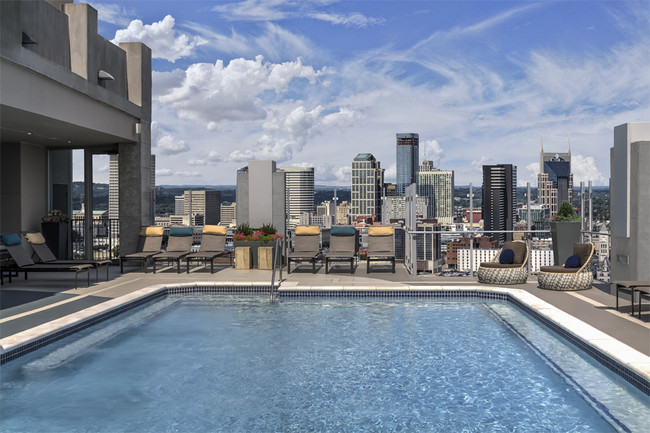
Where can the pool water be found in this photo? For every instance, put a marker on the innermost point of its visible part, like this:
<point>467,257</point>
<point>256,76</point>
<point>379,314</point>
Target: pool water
<point>233,363</point>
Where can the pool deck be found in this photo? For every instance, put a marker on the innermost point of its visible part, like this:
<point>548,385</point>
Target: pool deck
<point>45,297</point>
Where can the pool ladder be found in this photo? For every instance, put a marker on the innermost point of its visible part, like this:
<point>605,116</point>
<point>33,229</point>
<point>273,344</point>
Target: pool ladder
<point>274,290</point>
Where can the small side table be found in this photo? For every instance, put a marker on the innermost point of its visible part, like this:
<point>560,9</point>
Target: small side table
<point>243,258</point>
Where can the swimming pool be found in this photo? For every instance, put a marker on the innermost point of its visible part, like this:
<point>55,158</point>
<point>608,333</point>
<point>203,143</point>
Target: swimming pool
<point>233,363</point>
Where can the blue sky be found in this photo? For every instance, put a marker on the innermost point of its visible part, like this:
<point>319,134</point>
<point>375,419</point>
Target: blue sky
<point>313,83</point>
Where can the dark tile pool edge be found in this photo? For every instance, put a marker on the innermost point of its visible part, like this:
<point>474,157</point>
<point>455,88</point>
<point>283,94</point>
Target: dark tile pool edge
<point>634,378</point>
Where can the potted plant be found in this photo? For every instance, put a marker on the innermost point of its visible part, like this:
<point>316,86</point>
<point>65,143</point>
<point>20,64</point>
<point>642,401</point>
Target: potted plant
<point>245,235</point>
<point>565,231</point>
<point>54,226</point>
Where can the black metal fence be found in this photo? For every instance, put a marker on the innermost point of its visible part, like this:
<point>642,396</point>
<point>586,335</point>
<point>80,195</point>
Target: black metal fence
<point>105,234</point>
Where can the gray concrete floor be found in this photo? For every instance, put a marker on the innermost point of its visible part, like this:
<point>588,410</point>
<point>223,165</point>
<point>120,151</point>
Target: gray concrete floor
<point>44,297</point>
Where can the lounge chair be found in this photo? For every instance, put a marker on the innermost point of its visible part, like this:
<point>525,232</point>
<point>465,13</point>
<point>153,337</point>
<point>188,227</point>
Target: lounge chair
<point>179,245</point>
<point>150,244</point>
<point>306,246</point>
<point>23,263</point>
<point>516,272</point>
<point>568,278</point>
<point>344,242</point>
<point>213,245</point>
<point>45,255</point>
<point>630,287</point>
<point>381,245</point>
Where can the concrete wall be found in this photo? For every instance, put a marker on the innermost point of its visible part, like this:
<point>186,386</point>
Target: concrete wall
<point>630,202</point>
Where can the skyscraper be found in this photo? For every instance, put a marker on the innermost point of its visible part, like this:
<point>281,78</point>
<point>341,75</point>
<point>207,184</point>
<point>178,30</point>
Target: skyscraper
<point>367,184</point>
<point>203,207</point>
<point>408,157</point>
<point>499,199</point>
<point>299,191</point>
<point>114,187</point>
<point>555,180</point>
<point>438,186</point>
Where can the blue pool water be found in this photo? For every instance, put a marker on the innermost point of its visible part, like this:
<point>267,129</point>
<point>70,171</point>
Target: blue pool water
<point>232,363</point>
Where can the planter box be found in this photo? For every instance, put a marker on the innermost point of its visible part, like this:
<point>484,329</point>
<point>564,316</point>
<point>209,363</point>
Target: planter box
<point>265,257</point>
<point>564,235</point>
<point>56,238</point>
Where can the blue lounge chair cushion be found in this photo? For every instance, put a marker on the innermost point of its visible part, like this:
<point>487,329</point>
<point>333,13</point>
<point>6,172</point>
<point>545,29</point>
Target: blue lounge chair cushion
<point>342,231</point>
<point>10,239</point>
<point>507,257</point>
<point>572,262</point>
<point>181,231</point>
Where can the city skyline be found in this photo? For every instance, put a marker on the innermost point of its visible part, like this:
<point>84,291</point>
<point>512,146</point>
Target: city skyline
<point>482,83</point>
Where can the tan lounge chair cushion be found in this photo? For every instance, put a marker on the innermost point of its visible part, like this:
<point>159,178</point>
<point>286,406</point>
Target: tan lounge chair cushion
<point>152,231</point>
<point>215,230</point>
<point>307,230</point>
<point>35,238</point>
<point>381,231</point>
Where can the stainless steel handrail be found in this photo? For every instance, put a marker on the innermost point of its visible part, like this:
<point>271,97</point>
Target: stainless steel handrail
<point>274,290</point>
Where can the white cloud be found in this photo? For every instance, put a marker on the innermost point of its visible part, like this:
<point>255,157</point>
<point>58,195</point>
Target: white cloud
<point>533,171</point>
<point>112,13</point>
<point>285,135</point>
<point>197,162</point>
<point>164,172</point>
<point>253,10</point>
<point>478,164</point>
<point>161,37</point>
<point>187,174</point>
<point>214,92</point>
<point>584,169</point>
<point>390,173</point>
<point>169,145</point>
<point>352,20</point>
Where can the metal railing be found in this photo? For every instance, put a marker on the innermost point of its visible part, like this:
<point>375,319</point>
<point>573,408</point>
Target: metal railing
<point>274,292</point>
<point>105,235</point>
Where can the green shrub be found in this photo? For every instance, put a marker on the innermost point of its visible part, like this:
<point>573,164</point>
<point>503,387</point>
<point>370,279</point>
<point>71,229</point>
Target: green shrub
<point>245,229</point>
<point>268,229</point>
<point>565,213</point>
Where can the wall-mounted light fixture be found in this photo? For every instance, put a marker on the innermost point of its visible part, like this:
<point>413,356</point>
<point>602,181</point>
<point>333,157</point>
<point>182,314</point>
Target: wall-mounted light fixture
<point>28,40</point>
<point>138,127</point>
<point>102,75</point>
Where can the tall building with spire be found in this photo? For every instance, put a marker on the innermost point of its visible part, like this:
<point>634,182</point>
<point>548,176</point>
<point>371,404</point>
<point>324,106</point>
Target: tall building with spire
<point>407,162</point>
<point>367,184</point>
<point>555,180</point>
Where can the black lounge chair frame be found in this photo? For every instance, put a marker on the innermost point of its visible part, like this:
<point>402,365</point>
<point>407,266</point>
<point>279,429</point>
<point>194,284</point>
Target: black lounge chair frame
<point>46,256</point>
<point>149,246</point>
<point>21,262</point>
<point>212,246</point>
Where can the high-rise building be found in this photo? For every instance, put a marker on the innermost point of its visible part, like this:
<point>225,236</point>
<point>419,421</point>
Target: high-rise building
<point>394,208</point>
<point>179,204</point>
<point>343,213</point>
<point>555,180</point>
<point>228,214</point>
<point>261,195</point>
<point>408,157</point>
<point>367,184</point>
<point>630,202</point>
<point>299,192</point>
<point>438,186</point>
<point>203,207</point>
<point>499,199</point>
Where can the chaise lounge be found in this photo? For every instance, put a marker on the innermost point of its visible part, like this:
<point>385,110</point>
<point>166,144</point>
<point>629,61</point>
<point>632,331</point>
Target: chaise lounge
<point>508,266</point>
<point>306,247</point>
<point>45,255</point>
<point>23,263</point>
<point>344,243</point>
<point>574,275</point>
<point>179,245</point>
<point>381,245</point>
<point>150,243</point>
<point>213,245</point>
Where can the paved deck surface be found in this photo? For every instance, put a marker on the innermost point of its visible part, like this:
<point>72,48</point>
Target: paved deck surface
<point>45,297</point>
